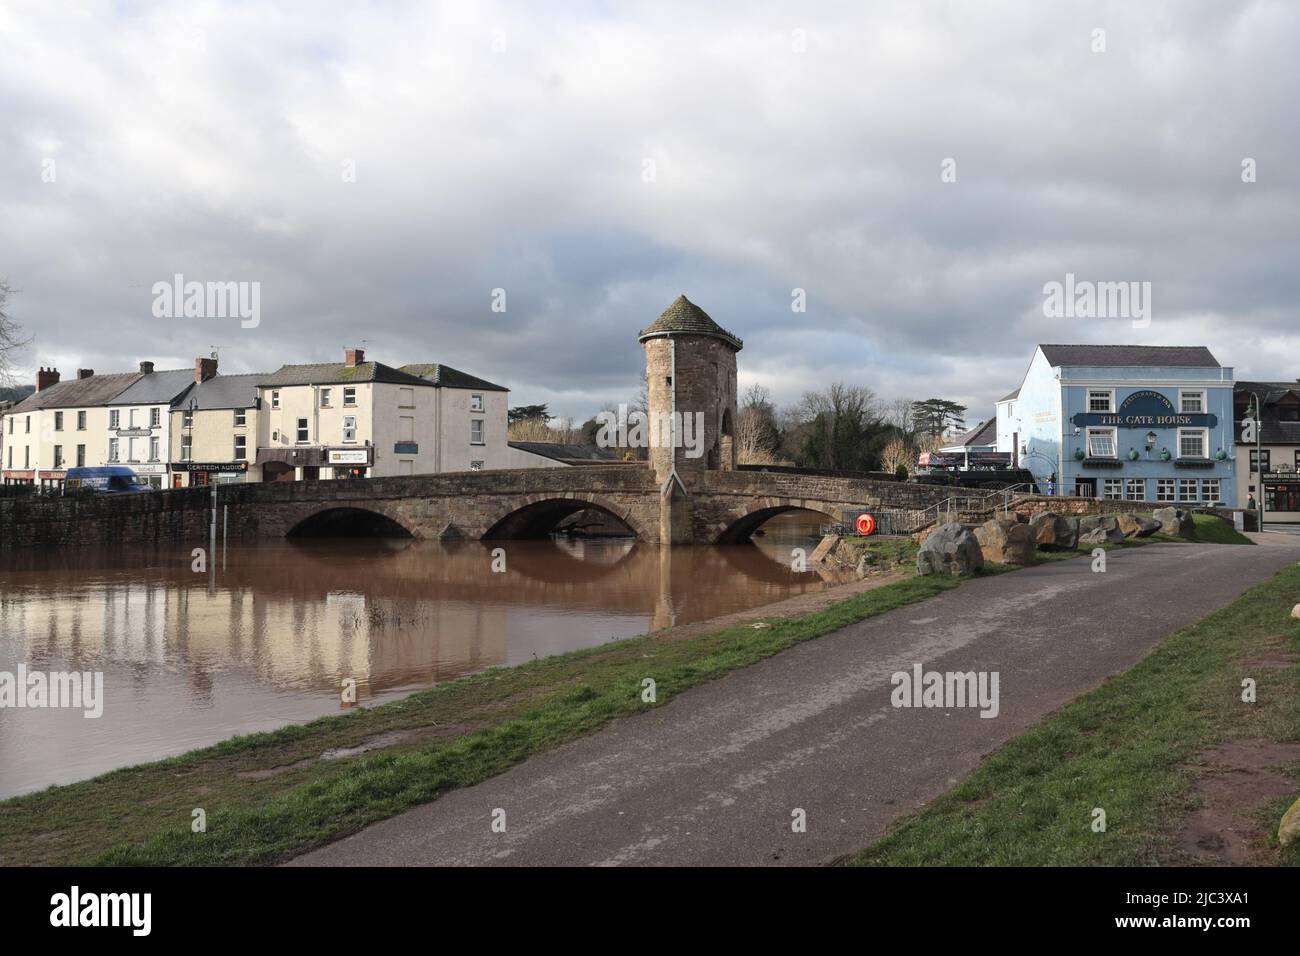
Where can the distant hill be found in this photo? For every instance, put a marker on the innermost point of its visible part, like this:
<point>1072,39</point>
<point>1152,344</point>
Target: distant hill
<point>15,393</point>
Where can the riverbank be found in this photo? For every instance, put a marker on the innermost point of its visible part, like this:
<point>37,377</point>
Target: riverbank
<point>1184,770</point>
<point>269,796</point>
<point>266,796</point>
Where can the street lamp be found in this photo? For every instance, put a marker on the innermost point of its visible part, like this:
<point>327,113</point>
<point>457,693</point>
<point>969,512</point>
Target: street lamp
<point>1025,452</point>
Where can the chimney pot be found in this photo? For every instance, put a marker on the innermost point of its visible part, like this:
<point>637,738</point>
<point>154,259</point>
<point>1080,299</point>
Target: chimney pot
<point>146,368</point>
<point>85,372</point>
<point>354,357</point>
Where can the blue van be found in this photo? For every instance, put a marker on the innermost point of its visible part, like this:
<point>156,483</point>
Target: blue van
<point>105,479</point>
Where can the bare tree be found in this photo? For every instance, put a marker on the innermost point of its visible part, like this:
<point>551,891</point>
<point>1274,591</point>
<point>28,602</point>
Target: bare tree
<point>898,452</point>
<point>899,414</point>
<point>530,429</point>
<point>757,434</point>
<point>840,423</point>
<point>11,336</point>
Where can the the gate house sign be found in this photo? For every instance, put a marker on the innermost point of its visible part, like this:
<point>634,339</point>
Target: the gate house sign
<point>1146,409</point>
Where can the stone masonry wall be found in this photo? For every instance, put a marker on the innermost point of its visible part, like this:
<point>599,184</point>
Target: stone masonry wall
<point>705,382</point>
<point>725,505</point>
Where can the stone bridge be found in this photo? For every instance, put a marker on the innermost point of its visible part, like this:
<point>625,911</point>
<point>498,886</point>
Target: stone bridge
<point>722,506</point>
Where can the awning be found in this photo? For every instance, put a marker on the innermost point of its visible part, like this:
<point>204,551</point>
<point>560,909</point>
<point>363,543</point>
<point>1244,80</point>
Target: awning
<point>297,457</point>
<point>315,456</point>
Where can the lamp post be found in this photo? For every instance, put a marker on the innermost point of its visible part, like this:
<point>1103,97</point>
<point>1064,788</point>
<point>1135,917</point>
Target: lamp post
<point>1025,452</point>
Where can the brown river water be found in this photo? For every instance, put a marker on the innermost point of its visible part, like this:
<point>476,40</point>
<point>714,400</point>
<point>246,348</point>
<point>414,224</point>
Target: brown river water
<point>267,636</point>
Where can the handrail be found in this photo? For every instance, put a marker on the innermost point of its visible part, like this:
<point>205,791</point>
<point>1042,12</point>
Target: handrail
<point>950,504</point>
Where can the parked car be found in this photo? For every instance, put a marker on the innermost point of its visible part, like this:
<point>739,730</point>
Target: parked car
<point>105,479</point>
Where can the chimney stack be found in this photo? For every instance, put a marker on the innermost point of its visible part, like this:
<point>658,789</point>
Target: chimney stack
<point>204,369</point>
<point>354,357</point>
<point>85,372</point>
<point>46,377</point>
<point>146,368</point>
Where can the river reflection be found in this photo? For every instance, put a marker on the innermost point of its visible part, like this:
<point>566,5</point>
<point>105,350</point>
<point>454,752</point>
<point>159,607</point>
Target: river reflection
<point>269,634</point>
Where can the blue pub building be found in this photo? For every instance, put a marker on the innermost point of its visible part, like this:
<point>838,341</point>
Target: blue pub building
<point>1135,422</point>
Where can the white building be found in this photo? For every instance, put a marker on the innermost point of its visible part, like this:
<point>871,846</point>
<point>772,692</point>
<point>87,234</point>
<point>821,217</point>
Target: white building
<point>360,419</point>
<point>139,423</point>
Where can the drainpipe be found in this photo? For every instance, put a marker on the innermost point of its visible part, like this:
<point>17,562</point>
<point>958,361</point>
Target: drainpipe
<point>437,431</point>
<point>315,418</point>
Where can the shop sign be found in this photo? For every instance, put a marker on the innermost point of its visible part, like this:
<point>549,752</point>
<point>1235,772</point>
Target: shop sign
<point>1145,409</point>
<point>348,456</point>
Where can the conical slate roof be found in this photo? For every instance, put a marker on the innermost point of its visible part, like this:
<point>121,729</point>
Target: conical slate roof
<point>684,317</point>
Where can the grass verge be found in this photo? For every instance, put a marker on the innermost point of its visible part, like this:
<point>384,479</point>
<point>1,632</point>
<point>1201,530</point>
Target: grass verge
<point>1127,747</point>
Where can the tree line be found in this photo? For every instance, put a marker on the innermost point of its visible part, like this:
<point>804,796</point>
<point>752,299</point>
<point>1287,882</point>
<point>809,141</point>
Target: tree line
<point>843,427</point>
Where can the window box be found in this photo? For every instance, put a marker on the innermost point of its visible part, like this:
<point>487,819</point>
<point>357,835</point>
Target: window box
<point>1102,463</point>
<point>1195,463</point>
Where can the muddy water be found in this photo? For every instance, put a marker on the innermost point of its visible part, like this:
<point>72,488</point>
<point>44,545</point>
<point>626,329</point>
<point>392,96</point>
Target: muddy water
<point>189,658</point>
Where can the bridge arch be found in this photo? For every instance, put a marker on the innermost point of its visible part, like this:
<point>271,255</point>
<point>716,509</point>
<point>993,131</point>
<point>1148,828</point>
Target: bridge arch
<point>741,526</point>
<point>539,514</point>
<point>345,521</point>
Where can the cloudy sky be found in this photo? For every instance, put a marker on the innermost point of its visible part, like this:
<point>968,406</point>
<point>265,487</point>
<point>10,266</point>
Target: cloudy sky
<point>380,168</point>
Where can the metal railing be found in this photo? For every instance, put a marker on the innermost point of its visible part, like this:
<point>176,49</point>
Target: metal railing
<point>984,504</point>
<point>910,521</point>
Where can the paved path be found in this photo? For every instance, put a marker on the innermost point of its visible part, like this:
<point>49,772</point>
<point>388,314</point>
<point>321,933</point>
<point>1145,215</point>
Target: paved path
<point>712,776</point>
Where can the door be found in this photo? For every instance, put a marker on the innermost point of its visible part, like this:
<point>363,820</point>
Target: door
<point>1085,487</point>
<point>176,480</point>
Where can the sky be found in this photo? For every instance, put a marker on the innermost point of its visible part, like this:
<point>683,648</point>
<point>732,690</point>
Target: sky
<point>915,172</point>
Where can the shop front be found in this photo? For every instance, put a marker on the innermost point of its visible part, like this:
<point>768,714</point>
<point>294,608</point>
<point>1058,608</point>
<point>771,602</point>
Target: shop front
<point>313,463</point>
<point>154,473</point>
<point>1281,497</point>
<point>350,462</point>
<point>197,474</point>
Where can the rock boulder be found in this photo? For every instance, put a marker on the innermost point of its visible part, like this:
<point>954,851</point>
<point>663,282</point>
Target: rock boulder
<point>1053,532</point>
<point>1006,542</point>
<point>949,549</point>
<point>1099,536</point>
<point>1175,521</point>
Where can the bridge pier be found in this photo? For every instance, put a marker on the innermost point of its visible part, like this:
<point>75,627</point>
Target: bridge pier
<point>676,517</point>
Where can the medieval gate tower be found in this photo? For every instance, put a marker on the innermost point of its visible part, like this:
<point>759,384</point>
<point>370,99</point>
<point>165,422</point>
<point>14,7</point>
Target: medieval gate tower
<point>690,368</point>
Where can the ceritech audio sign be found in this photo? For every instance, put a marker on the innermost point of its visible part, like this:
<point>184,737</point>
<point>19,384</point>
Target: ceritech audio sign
<point>1146,409</point>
